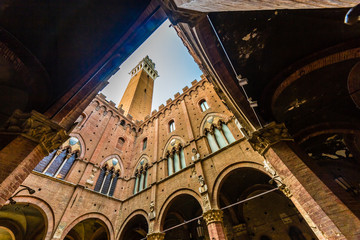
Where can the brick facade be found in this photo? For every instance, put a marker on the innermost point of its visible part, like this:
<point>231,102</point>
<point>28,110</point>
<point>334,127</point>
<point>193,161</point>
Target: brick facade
<point>105,133</point>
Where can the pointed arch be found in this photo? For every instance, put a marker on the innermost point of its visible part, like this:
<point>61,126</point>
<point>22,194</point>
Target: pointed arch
<point>177,137</point>
<point>107,223</point>
<point>167,203</point>
<point>211,114</point>
<point>137,212</point>
<point>120,162</point>
<point>81,142</point>
<point>45,210</point>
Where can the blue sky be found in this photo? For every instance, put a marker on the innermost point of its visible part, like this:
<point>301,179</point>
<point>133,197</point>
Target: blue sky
<point>173,62</point>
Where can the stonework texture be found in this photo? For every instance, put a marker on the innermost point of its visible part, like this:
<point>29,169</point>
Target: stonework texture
<point>105,133</point>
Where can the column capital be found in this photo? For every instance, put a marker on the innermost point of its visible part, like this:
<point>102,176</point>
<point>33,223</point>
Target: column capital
<point>213,215</point>
<point>262,139</point>
<point>155,236</point>
<point>37,128</point>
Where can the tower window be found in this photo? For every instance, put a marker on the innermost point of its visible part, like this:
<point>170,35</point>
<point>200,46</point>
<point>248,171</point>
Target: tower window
<point>203,105</point>
<point>145,90</point>
<point>171,126</point>
<point>120,143</point>
<point>144,144</point>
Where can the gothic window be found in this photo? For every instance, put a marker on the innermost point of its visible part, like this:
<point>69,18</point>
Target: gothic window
<point>106,182</point>
<point>120,143</point>
<point>171,126</point>
<point>144,144</point>
<point>203,105</point>
<point>175,157</point>
<point>59,162</point>
<point>141,175</point>
<point>217,133</point>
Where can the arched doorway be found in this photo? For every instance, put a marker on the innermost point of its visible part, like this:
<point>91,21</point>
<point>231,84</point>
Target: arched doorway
<point>22,221</point>
<point>92,228</point>
<point>136,229</point>
<point>182,208</point>
<point>270,216</point>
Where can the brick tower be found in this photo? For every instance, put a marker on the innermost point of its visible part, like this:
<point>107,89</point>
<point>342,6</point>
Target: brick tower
<point>137,98</point>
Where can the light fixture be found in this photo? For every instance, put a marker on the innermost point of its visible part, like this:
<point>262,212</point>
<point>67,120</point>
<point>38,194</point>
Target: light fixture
<point>242,81</point>
<point>353,15</point>
<point>200,230</point>
<point>252,103</point>
<point>30,190</point>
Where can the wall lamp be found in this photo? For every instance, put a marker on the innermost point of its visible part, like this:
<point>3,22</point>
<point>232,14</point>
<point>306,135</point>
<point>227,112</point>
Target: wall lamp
<point>353,15</point>
<point>30,190</point>
<point>242,81</point>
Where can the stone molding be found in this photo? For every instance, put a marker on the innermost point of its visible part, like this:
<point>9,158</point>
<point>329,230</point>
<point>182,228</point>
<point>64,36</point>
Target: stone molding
<point>213,215</point>
<point>262,139</point>
<point>37,128</point>
<point>156,236</point>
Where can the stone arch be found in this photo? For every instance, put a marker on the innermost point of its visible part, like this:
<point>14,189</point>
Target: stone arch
<point>142,156</point>
<point>177,137</point>
<point>95,103</point>
<point>119,161</point>
<point>45,210</point>
<point>211,114</point>
<point>167,203</point>
<point>133,214</point>
<point>226,172</point>
<point>82,143</point>
<point>99,216</point>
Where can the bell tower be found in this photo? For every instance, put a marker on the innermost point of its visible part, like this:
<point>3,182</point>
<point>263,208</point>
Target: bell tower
<point>138,95</point>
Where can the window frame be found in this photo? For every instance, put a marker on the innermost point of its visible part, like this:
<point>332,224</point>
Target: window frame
<point>204,103</point>
<point>171,126</point>
<point>144,144</point>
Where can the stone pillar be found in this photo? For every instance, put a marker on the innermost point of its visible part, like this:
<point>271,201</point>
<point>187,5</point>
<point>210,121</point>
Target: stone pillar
<point>327,216</point>
<point>214,222</point>
<point>155,236</point>
<point>25,139</point>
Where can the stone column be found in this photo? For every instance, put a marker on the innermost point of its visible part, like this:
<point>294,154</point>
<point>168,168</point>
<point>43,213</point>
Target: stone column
<point>155,236</point>
<point>214,222</point>
<point>25,139</point>
<point>327,216</point>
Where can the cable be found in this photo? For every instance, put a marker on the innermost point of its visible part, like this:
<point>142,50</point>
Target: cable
<point>226,207</point>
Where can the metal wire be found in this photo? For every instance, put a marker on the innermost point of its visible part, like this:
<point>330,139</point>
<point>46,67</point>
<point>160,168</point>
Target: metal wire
<point>226,207</point>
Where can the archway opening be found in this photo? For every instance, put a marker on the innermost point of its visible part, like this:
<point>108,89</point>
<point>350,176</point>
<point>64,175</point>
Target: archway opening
<point>270,216</point>
<point>136,229</point>
<point>91,228</point>
<point>183,208</point>
<point>22,221</point>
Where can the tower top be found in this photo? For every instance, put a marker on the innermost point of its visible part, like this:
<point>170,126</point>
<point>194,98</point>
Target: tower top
<point>147,65</point>
<point>138,94</point>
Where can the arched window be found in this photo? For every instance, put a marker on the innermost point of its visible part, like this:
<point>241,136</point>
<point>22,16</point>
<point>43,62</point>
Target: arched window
<point>175,157</point>
<point>141,175</point>
<point>120,143</point>
<point>144,144</point>
<point>80,120</point>
<point>106,182</point>
<point>203,105</point>
<point>217,133</point>
<point>171,126</point>
<point>59,162</point>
